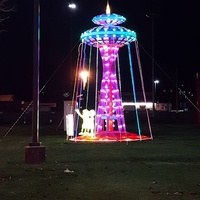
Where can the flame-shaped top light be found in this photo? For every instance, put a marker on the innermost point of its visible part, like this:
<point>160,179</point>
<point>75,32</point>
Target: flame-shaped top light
<point>108,9</point>
<point>108,18</point>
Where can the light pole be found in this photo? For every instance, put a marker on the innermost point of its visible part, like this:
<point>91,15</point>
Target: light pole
<point>156,82</point>
<point>34,152</point>
<point>72,7</point>
<point>153,57</point>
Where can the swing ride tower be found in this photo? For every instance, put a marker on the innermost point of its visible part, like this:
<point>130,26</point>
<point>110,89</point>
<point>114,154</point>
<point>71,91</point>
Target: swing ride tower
<point>108,37</point>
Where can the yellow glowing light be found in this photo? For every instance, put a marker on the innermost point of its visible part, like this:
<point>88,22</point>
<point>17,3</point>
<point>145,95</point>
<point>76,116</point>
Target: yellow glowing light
<point>87,128</point>
<point>84,76</point>
<point>108,9</point>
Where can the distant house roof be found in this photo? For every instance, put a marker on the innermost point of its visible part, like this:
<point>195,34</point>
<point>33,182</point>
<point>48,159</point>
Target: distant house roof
<point>6,97</point>
<point>128,96</point>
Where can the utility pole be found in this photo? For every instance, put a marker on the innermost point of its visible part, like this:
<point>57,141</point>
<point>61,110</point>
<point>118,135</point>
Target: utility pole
<point>177,90</point>
<point>198,96</point>
<point>34,152</point>
<point>153,57</point>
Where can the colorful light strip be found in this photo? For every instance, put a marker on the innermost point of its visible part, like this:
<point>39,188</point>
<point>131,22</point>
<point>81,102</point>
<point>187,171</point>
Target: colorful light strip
<point>113,35</point>
<point>108,19</point>
<point>109,37</point>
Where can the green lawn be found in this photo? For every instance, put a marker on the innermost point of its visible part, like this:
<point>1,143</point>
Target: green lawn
<point>166,168</point>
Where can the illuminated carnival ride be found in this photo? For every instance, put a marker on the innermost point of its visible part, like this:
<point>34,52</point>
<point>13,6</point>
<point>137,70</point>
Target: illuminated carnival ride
<point>107,121</point>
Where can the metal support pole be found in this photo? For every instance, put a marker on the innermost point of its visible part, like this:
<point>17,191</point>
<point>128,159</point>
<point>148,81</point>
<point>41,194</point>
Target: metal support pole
<point>177,90</point>
<point>198,96</point>
<point>35,153</point>
<point>153,66</point>
<point>36,66</point>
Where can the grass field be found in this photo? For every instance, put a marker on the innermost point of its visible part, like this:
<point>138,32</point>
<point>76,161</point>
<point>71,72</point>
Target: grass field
<point>166,168</point>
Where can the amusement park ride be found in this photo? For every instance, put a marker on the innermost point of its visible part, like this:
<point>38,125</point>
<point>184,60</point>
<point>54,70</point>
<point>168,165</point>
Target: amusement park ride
<point>106,122</point>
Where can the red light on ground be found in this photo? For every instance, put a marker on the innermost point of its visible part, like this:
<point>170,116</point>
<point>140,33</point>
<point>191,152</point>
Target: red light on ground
<point>111,136</point>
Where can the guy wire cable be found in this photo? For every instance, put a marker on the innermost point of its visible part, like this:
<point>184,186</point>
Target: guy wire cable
<point>76,76</point>
<point>43,87</point>
<point>78,88</point>
<point>170,79</point>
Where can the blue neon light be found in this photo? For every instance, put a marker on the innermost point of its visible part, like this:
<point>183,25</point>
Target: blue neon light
<point>111,19</point>
<point>109,33</point>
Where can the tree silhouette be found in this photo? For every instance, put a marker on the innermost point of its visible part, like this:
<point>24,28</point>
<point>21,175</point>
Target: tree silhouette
<point>4,10</point>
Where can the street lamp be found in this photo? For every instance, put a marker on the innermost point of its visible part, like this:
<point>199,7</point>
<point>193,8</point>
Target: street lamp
<point>72,6</point>
<point>156,82</point>
<point>84,76</point>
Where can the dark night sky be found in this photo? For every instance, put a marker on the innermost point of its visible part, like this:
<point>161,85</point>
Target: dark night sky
<point>177,41</point>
